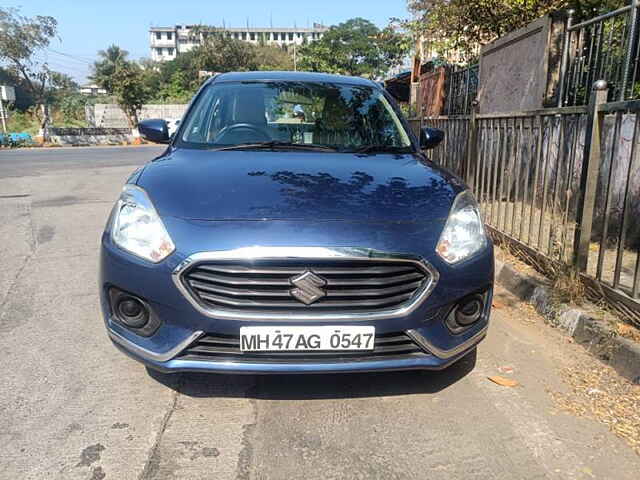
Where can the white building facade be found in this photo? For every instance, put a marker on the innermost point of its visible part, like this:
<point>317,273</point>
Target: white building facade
<point>168,42</point>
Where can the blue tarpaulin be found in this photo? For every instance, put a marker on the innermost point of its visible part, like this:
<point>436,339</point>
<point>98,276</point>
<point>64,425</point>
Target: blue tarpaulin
<point>9,138</point>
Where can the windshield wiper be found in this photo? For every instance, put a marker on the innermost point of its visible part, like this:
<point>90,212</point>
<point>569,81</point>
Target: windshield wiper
<point>382,149</point>
<point>278,144</point>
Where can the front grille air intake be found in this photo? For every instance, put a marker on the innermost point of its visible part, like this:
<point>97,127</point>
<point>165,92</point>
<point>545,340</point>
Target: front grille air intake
<point>218,348</point>
<point>344,285</point>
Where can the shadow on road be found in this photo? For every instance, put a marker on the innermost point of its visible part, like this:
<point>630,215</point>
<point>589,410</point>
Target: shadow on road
<point>312,386</point>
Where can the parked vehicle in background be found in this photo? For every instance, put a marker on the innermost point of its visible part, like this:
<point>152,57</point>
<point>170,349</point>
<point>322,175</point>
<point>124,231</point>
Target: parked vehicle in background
<point>172,125</point>
<point>293,224</point>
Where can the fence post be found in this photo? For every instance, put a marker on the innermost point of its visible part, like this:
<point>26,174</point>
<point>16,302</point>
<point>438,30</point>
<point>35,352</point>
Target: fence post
<point>589,175</point>
<point>564,65</point>
<point>629,53</point>
<point>472,147</point>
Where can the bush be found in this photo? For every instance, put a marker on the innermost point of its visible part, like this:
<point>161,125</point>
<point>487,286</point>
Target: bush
<point>23,122</point>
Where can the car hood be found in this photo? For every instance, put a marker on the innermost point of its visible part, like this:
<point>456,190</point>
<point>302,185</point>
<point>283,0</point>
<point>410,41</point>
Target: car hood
<point>301,185</point>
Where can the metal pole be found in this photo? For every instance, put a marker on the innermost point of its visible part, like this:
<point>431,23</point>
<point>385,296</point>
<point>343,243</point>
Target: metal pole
<point>466,92</point>
<point>629,54</point>
<point>589,176</point>
<point>4,122</point>
<point>471,161</point>
<point>564,66</point>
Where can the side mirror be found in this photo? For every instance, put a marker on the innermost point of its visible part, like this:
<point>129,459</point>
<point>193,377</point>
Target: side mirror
<point>430,137</point>
<point>155,130</point>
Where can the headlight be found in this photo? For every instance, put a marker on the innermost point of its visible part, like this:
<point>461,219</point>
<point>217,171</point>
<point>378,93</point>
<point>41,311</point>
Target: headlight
<point>463,234</point>
<point>137,228</point>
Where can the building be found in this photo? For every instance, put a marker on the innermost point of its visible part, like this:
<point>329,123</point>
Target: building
<point>168,42</point>
<point>92,89</point>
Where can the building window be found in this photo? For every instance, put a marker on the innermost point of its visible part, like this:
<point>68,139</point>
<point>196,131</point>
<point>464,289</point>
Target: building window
<point>169,36</point>
<point>158,36</point>
<point>159,50</point>
<point>275,35</point>
<point>170,51</point>
<point>244,35</point>
<point>291,37</point>
<point>252,36</point>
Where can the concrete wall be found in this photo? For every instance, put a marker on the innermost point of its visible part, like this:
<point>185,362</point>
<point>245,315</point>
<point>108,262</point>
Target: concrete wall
<point>90,136</point>
<point>103,115</point>
<point>515,70</point>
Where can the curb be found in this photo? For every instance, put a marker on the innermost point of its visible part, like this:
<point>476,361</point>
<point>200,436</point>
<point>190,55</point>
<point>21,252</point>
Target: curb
<point>595,335</point>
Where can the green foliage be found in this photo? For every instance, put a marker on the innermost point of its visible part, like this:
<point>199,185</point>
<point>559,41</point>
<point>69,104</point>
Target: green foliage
<point>23,122</point>
<point>177,90</point>
<point>20,38</point>
<point>176,81</point>
<point>461,26</point>
<point>355,47</point>
<point>71,108</point>
<point>269,57</point>
<point>124,79</point>
<point>24,99</point>
<point>112,59</point>
<point>219,52</point>
<point>129,89</point>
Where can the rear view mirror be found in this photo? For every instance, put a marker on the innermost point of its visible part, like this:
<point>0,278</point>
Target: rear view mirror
<point>430,137</point>
<point>155,130</point>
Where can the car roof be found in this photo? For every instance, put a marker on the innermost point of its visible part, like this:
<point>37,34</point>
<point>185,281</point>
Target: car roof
<point>291,77</point>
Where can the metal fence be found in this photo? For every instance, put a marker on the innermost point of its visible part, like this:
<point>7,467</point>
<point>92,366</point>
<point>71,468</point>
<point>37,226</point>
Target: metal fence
<point>607,47</point>
<point>461,87</point>
<point>562,184</point>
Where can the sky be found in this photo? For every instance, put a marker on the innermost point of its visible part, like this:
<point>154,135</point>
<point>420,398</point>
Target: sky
<point>86,26</point>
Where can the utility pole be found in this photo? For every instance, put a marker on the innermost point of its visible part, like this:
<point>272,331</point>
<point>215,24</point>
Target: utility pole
<point>4,122</point>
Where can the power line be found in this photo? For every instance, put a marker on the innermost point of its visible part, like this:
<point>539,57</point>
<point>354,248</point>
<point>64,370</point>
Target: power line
<point>71,68</point>
<point>72,57</point>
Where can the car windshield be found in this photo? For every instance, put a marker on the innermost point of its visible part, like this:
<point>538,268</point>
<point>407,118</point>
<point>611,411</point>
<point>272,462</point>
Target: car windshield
<point>328,116</point>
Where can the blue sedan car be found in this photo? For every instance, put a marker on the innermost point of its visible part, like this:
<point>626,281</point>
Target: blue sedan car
<point>294,225</point>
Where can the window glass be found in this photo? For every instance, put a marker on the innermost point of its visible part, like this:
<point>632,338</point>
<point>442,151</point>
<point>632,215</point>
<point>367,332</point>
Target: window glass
<point>341,116</point>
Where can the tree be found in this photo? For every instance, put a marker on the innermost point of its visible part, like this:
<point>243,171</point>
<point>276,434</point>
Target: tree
<point>129,90</point>
<point>124,79</point>
<point>461,26</point>
<point>20,38</point>
<point>112,58</point>
<point>355,47</point>
<point>24,99</point>
<point>270,57</point>
<point>219,52</point>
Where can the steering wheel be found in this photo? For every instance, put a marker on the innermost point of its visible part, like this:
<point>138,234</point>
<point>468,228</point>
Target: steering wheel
<point>239,127</point>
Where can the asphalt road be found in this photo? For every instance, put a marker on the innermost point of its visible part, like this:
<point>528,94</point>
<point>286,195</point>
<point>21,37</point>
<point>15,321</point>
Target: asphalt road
<point>73,407</point>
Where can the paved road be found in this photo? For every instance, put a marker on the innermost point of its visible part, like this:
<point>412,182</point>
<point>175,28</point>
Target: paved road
<point>73,407</point>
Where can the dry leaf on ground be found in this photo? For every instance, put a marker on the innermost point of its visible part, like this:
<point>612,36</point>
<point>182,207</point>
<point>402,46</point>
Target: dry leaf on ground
<point>503,381</point>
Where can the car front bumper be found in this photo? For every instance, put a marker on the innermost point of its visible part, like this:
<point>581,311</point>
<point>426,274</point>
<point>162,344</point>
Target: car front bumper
<point>182,324</point>
<point>167,362</point>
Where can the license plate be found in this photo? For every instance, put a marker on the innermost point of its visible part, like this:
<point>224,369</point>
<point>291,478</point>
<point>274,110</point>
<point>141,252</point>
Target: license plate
<point>276,339</point>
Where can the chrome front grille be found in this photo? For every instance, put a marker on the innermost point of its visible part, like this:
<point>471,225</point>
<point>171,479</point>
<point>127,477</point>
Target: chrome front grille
<point>285,284</point>
<point>260,285</point>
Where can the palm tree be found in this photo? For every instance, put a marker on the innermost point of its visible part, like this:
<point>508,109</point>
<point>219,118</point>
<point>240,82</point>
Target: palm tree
<point>113,58</point>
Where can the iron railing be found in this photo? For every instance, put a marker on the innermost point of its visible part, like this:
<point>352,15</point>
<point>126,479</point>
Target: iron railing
<point>461,89</point>
<point>562,183</point>
<point>606,47</point>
